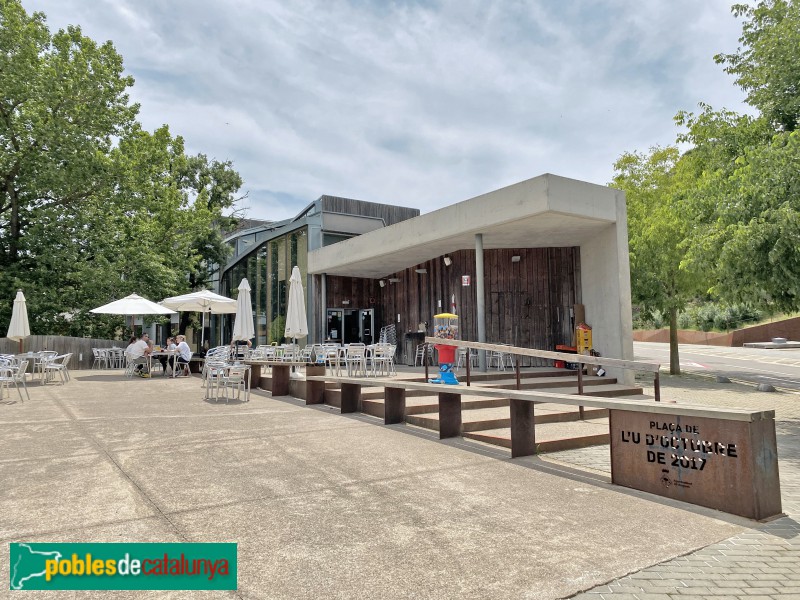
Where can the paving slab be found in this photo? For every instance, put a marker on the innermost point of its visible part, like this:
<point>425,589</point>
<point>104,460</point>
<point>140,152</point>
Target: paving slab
<point>324,505</point>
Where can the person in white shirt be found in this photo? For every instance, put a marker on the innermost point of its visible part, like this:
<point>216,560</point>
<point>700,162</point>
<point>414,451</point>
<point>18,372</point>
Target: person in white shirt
<point>139,351</point>
<point>184,354</point>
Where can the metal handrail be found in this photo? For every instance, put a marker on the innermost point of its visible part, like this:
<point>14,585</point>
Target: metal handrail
<point>581,359</point>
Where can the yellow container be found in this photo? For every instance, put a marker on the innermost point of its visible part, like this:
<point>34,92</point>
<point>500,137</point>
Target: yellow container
<point>583,339</point>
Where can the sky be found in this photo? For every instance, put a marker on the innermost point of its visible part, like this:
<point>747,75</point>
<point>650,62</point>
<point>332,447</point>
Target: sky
<point>414,103</point>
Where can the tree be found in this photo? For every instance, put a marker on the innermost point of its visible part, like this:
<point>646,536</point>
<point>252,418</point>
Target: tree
<point>64,98</point>
<point>92,207</point>
<point>659,224</point>
<point>767,66</point>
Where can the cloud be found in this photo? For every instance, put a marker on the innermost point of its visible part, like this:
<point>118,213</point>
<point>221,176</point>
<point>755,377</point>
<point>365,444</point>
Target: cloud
<point>415,103</point>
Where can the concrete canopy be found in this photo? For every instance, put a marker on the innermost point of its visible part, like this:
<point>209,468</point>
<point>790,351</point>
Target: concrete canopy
<point>546,211</point>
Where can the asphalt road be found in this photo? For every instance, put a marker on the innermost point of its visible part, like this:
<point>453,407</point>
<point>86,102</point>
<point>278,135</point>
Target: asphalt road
<point>781,368</point>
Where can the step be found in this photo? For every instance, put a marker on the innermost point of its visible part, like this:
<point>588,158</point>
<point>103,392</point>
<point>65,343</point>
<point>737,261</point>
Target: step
<point>553,382</point>
<point>552,437</point>
<point>481,419</point>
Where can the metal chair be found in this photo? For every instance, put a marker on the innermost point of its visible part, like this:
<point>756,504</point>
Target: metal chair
<point>58,364</point>
<point>356,359</point>
<point>233,376</point>
<point>16,374</point>
<point>424,352</point>
<point>383,359</point>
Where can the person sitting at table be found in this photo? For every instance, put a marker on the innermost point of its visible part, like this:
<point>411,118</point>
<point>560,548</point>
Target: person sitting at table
<point>184,355</point>
<point>168,345</point>
<point>139,351</point>
<point>240,347</point>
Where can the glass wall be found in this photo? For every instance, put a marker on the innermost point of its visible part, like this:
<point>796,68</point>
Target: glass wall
<point>268,270</point>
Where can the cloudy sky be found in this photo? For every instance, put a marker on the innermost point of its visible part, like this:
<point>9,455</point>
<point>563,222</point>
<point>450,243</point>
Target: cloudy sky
<point>418,103</point>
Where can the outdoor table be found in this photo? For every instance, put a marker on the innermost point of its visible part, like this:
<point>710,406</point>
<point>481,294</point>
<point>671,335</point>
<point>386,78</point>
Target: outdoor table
<point>160,354</point>
<point>226,370</point>
<point>36,363</point>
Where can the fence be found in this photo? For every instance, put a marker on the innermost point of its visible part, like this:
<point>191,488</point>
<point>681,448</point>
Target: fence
<point>81,348</point>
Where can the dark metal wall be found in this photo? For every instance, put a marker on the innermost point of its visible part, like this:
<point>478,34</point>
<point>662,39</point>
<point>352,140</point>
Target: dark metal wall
<point>529,303</point>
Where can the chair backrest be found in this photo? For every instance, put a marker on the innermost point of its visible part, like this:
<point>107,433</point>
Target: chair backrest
<point>235,374</point>
<point>356,350</point>
<point>19,374</point>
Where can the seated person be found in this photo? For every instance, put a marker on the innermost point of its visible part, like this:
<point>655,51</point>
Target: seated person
<point>168,345</point>
<point>139,351</point>
<point>240,348</point>
<point>184,355</point>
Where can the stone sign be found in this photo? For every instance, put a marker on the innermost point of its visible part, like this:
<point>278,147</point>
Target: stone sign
<point>729,465</point>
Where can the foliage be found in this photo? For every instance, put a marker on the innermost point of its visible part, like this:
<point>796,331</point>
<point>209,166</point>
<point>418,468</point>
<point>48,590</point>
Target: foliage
<point>767,65</point>
<point>706,316</point>
<point>92,207</point>
<point>658,227</point>
<point>734,194</point>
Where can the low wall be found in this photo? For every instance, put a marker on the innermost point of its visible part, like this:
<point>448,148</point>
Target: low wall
<point>63,345</point>
<point>787,328</point>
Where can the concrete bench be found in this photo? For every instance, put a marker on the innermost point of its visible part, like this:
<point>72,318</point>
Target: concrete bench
<point>720,458</point>
<point>281,373</point>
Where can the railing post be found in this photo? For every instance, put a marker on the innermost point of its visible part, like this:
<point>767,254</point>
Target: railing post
<point>657,386</point>
<point>449,415</point>
<point>350,398</point>
<point>469,360</point>
<point>580,388</point>
<point>523,430</point>
<point>516,368</point>
<point>394,405</point>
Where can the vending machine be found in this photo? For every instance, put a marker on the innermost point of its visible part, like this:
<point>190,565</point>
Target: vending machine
<point>369,325</point>
<point>352,326</point>
<point>334,325</point>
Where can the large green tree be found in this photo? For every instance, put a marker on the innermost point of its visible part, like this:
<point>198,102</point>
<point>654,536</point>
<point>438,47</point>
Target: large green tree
<point>658,191</point>
<point>63,99</point>
<point>92,207</point>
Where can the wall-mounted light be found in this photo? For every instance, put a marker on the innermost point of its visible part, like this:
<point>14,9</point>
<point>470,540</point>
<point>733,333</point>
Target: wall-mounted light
<point>394,280</point>
<point>381,282</point>
<point>448,261</point>
<point>345,302</point>
<point>515,259</point>
<point>421,271</point>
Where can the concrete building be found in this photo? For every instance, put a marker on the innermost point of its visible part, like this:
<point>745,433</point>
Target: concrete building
<point>515,263</point>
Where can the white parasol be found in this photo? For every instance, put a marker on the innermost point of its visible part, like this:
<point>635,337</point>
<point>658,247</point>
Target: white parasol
<point>243,327</point>
<point>19,328</point>
<point>296,322</point>
<point>132,305</point>
<point>202,301</point>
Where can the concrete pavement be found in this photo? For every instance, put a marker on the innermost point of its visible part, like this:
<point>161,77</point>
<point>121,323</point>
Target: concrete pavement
<point>759,564</point>
<point>331,506</point>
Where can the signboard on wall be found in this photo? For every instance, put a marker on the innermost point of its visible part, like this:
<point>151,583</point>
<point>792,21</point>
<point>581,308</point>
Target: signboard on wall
<point>465,280</point>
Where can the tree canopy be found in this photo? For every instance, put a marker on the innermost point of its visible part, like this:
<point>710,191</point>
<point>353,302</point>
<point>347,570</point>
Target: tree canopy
<point>93,207</point>
<point>721,219</point>
<point>766,66</point>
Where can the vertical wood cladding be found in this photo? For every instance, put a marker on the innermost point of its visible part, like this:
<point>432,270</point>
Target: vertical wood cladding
<point>528,303</point>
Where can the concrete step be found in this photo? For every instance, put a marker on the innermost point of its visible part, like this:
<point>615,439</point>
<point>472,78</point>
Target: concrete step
<point>552,437</point>
<point>481,419</point>
<point>552,382</point>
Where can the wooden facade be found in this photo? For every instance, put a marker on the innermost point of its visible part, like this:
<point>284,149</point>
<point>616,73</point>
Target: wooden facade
<point>528,303</point>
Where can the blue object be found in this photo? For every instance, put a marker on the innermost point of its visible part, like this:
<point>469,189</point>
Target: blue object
<point>446,375</point>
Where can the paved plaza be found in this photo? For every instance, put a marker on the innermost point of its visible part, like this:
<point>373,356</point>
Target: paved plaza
<point>330,506</point>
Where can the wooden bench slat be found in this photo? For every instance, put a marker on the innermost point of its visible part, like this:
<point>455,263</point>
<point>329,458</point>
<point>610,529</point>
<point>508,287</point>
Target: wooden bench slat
<point>733,414</point>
